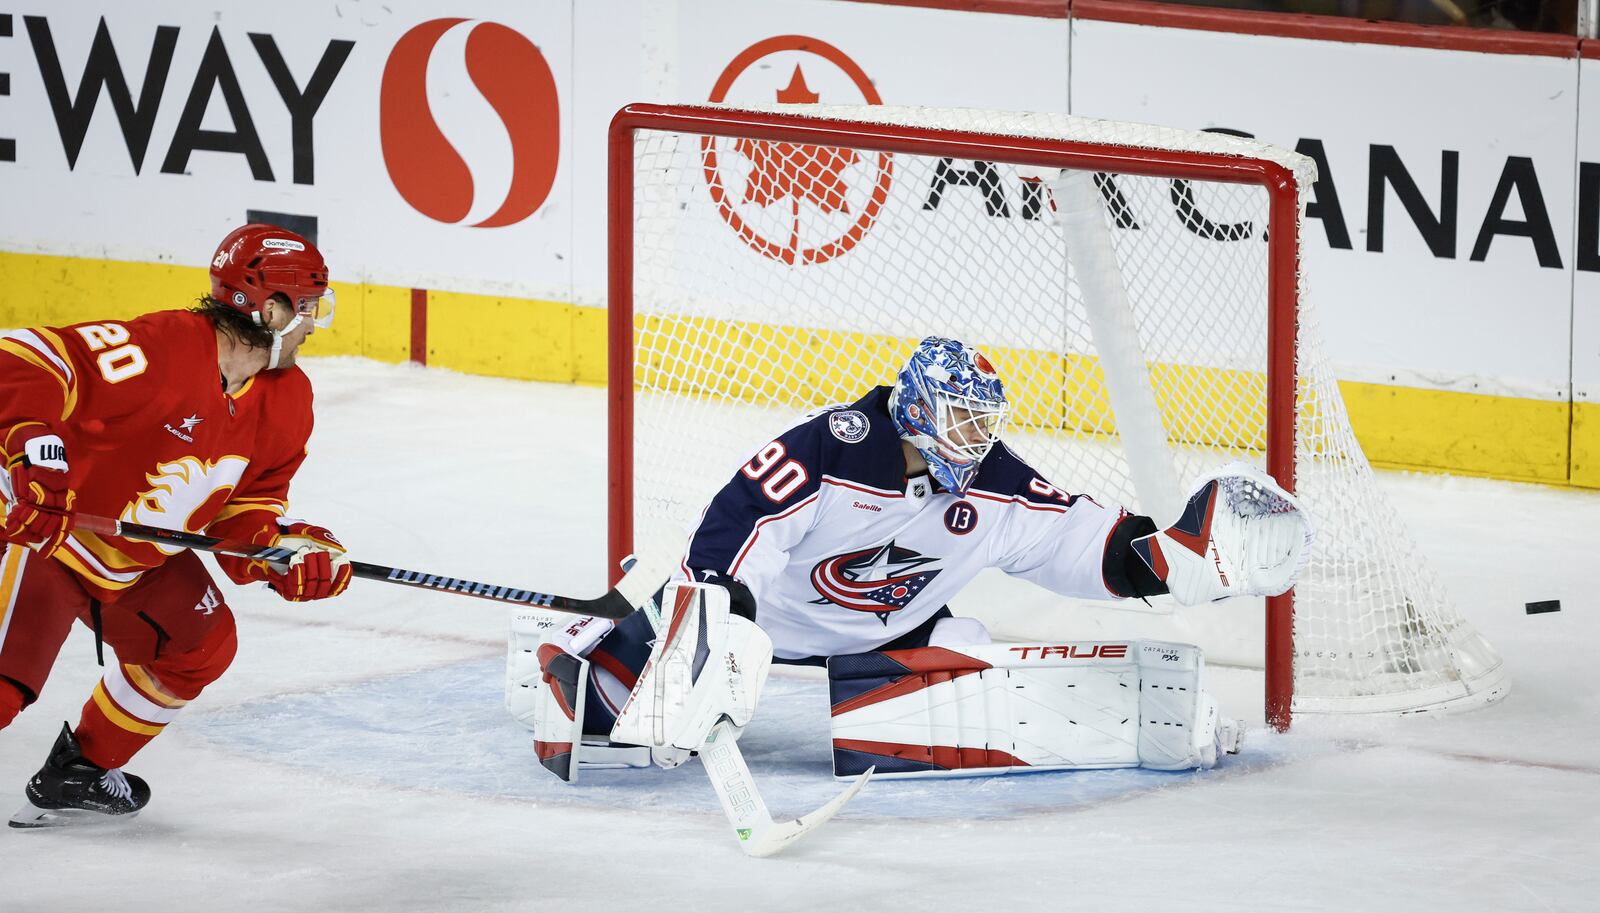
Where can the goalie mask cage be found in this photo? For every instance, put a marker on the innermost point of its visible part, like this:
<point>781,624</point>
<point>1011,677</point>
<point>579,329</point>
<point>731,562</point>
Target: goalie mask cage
<point>1137,287</point>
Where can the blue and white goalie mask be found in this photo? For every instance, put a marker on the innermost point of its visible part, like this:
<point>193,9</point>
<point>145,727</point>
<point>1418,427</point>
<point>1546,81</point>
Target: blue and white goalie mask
<point>949,403</point>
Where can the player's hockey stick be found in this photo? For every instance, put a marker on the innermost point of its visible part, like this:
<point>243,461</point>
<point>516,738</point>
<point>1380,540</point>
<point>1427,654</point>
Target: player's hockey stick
<point>632,590</point>
<point>724,765</point>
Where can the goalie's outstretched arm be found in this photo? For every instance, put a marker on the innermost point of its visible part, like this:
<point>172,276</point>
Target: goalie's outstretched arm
<point>1239,534</point>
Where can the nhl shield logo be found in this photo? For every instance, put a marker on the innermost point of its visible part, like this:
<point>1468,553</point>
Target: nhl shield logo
<point>849,426</point>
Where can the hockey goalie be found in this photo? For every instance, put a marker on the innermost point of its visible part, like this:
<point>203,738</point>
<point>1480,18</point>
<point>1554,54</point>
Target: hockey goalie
<point>840,543</point>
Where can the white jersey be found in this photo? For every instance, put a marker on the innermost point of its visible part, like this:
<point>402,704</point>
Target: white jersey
<point>843,552</point>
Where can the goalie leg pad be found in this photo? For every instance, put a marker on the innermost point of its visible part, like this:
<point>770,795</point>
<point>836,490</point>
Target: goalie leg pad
<point>547,690</point>
<point>913,713</point>
<point>531,629</point>
<point>707,664</point>
<point>528,631</point>
<point>558,721</point>
<point>1002,708</point>
<point>1177,721</point>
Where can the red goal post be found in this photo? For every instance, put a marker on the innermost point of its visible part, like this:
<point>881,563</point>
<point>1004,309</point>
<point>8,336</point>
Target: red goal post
<point>669,199</point>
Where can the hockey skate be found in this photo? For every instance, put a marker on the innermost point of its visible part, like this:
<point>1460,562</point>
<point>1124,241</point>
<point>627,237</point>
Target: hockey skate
<point>71,790</point>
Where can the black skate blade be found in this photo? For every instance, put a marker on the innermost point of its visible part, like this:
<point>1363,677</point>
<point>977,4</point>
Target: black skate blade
<point>32,816</point>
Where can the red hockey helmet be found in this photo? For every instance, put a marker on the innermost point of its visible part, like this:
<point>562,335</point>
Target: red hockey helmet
<point>256,261</point>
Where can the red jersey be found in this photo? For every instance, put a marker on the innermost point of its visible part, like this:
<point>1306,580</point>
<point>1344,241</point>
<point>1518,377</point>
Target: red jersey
<point>151,437</point>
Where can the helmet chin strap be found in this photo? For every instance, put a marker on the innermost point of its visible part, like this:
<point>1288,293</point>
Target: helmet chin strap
<point>277,341</point>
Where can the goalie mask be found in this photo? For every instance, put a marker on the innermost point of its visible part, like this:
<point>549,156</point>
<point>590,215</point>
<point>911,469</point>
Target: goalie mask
<point>256,261</point>
<point>949,403</point>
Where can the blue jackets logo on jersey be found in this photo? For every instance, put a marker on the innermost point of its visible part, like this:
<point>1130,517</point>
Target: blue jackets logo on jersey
<point>881,580</point>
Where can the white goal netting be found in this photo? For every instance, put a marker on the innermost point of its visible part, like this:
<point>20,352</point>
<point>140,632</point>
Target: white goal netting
<point>1126,308</point>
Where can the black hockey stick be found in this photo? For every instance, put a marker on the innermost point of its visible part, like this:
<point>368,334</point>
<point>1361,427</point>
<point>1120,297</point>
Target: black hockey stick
<point>618,602</point>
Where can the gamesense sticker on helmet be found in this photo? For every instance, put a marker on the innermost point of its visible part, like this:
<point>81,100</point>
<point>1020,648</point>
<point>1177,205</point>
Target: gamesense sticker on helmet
<point>257,261</point>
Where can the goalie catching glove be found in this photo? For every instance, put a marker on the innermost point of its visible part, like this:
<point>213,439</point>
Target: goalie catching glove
<point>1241,534</point>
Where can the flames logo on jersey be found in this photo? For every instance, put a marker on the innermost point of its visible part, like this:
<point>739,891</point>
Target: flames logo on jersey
<point>180,488</point>
<point>881,580</point>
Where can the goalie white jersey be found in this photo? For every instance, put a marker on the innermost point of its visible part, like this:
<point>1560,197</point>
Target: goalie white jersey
<point>844,553</point>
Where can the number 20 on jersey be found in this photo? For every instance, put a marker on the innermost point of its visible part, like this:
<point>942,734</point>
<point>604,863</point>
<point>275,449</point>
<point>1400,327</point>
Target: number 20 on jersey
<point>119,359</point>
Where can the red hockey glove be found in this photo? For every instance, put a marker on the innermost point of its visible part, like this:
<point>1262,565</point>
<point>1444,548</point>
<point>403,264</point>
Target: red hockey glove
<point>318,569</point>
<point>40,495</point>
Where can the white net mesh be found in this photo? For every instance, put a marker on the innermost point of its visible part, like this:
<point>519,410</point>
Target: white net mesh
<point>775,277</point>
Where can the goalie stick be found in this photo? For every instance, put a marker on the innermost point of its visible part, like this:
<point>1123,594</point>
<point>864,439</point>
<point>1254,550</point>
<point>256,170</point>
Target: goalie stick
<point>759,835</point>
<point>618,602</point>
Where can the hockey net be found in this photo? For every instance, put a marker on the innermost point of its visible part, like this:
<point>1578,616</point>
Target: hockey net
<point>1139,290</point>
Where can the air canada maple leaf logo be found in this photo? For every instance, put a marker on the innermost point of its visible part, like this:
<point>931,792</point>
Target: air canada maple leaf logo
<point>795,202</point>
<point>794,172</point>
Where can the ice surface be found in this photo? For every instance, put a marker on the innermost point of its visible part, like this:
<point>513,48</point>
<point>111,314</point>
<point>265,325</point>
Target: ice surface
<point>355,757</point>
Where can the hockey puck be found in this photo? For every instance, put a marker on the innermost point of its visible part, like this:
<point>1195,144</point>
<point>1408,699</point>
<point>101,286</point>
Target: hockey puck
<point>1548,605</point>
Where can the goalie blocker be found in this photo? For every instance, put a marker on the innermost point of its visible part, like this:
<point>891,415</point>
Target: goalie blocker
<point>1004,708</point>
<point>707,665</point>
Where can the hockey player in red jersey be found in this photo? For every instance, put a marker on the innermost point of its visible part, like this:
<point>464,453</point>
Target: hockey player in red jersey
<point>191,419</point>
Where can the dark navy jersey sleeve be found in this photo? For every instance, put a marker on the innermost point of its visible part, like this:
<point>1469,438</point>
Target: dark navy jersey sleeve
<point>853,443</point>
<point>781,479</point>
<point>1005,473</point>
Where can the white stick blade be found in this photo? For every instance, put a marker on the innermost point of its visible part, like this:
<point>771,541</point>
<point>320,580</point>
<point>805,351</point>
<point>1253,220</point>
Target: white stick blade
<point>769,840</point>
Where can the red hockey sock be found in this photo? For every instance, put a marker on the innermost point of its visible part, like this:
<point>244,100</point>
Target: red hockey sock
<point>127,709</point>
<point>132,704</point>
<point>11,702</point>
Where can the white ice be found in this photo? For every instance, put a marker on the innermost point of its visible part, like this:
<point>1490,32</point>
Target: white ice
<point>355,757</point>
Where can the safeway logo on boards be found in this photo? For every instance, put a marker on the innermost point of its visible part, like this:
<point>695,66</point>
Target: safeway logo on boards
<point>458,86</point>
<point>795,203</point>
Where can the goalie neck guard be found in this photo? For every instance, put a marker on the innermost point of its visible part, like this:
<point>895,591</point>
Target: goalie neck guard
<point>949,403</point>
